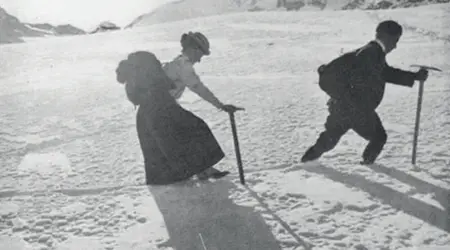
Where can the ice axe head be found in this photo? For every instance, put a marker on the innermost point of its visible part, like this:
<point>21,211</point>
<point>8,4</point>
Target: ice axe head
<point>426,67</point>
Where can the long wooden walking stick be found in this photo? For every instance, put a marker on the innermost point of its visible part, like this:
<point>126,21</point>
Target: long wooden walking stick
<point>236,147</point>
<point>419,109</point>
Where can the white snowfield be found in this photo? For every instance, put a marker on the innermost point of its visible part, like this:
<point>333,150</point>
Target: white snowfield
<point>72,171</point>
<point>177,10</point>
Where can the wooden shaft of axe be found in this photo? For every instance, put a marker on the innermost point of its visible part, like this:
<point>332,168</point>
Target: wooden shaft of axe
<point>416,130</point>
<point>236,148</point>
<point>419,108</point>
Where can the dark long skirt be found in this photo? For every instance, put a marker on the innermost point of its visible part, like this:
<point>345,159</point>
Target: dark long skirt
<point>175,143</point>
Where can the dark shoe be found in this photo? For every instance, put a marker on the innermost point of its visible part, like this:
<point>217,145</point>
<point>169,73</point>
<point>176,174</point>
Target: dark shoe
<point>310,155</point>
<point>366,162</point>
<point>212,173</point>
<point>219,174</point>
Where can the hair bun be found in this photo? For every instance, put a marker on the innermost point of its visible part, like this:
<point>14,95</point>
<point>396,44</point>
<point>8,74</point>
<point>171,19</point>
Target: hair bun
<point>184,38</point>
<point>123,71</point>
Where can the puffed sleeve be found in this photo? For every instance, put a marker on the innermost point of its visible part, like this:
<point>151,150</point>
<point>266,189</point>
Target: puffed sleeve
<point>189,77</point>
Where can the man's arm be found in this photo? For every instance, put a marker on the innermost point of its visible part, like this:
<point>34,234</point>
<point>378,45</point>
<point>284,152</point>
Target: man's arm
<point>398,76</point>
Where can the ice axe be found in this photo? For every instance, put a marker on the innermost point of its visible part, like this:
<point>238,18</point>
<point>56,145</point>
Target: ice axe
<point>419,108</point>
<point>236,145</point>
<point>203,242</point>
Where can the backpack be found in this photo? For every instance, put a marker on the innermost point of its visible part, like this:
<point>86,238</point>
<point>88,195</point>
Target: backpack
<point>334,76</point>
<point>139,85</point>
<point>136,94</point>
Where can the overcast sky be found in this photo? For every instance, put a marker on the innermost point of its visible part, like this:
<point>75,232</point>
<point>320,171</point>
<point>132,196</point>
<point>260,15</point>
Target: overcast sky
<point>85,14</point>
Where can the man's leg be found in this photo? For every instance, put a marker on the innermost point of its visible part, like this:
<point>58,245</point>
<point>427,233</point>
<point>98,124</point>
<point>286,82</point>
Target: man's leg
<point>372,130</point>
<point>335,127</point>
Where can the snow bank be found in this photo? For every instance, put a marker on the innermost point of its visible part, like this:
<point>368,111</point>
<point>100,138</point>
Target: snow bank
<point>186,9</point>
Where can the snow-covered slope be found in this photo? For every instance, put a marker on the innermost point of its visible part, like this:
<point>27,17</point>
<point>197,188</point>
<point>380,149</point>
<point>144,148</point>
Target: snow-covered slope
<point>65,29</point>
<point>12,30</point>
<point>72,169</point>
<point>184,9</point>
<point>389,4</point>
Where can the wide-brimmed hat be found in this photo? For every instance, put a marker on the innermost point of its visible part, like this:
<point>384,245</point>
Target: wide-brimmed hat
<point>200,41</point>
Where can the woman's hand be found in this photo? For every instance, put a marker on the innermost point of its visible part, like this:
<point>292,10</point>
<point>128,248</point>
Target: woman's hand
<point>230,108</point>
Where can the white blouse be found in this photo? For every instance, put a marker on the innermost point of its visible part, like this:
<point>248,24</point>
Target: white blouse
<point>182,73</point>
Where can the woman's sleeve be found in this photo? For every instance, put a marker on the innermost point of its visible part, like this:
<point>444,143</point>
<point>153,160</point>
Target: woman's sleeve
<point>190,78</point>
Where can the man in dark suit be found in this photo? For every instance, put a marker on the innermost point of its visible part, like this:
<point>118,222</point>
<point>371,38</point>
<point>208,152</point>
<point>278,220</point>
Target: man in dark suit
<point>356,82</point>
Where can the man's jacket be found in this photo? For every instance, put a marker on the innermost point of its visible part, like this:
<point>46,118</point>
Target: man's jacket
<point>359,77</point>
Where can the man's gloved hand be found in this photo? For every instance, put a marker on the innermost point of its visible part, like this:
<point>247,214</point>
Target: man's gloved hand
<point>422,75</point>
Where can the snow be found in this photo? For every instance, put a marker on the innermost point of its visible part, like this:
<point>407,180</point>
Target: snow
<point>44,31</point>
<point>439,26</point>
<point>176,10</point>
<point>185,9</point>
<point>46,165</point>
<point>72,173</point>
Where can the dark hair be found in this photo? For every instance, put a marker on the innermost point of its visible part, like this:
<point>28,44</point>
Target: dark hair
<point>389,27</point>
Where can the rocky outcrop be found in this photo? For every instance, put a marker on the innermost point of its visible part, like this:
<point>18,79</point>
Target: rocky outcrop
<point>12,30</point>
<point>59,30</point>
<point>105,27</point>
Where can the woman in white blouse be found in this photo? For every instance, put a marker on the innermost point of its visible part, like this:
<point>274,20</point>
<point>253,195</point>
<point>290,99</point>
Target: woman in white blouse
<point>181,71</point>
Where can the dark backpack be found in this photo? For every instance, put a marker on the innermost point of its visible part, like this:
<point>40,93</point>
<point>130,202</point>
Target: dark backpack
<point>334,76</point>
<point>136,94</point>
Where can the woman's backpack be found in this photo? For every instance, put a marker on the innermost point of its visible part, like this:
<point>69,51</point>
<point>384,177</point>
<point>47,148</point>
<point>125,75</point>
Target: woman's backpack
<point>136,94</point>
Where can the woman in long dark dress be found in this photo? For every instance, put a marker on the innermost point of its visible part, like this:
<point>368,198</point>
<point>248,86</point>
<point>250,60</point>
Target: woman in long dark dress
<point>175,143</point>
<point>181,71</point>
